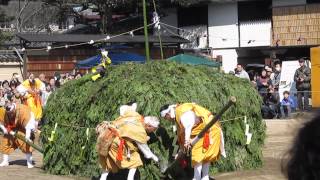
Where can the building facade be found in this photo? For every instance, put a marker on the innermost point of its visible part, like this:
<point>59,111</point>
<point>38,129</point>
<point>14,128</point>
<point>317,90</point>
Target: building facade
<point>252,31</point>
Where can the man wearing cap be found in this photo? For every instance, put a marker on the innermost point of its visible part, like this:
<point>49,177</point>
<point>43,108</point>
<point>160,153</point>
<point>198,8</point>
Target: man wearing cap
<point>120,140</point>
<point>190,119</point>
<point>19,118</point>
<point>30,91</point>
<point>302,77</point>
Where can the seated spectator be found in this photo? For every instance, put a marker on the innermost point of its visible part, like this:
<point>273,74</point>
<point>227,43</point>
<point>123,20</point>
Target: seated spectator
<point>263,83</point>
<point>270,104</point>
<point>285,105</point>
<point>303,162</point>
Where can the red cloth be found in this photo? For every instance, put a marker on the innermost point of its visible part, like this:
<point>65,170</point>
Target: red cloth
<point>120,150</point>
<point>10,126</point>
<point>206,141</point>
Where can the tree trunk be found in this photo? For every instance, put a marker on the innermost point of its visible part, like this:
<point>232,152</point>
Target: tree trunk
<point>106,19</point>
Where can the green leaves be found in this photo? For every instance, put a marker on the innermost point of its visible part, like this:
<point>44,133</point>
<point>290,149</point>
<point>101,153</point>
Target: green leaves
<point>85,103</point>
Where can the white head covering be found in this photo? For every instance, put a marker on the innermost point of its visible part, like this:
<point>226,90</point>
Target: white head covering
<point>127,108</point>
<point>152,121</point>
<point>170,110</point>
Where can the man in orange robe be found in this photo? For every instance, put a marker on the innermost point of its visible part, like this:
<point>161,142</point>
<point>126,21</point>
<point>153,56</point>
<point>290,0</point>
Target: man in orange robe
<point>18,118</point>
<point>190,119</point>
<point>125,137</point>
<point>30,91</point>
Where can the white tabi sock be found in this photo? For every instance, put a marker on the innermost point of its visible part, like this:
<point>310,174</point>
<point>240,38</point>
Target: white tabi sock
<point>104,175</point>
<point>131,174</point>
<point>5,160</point>
<point>205,171</point>
<point>29,160</point>
<point>197,172</point>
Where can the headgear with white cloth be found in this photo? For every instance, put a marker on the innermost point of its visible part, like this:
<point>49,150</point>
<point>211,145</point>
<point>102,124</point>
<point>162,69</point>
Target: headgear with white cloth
<point>152,121</point>
<point>127,108</point>
<point>168,109</point>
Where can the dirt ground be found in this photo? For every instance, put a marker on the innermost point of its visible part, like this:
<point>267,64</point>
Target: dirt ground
<point>280,134</point>
<point>279,137</point>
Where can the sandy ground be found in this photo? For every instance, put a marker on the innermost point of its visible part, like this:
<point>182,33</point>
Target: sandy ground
<point>279,137</point>
<point>280,134</point>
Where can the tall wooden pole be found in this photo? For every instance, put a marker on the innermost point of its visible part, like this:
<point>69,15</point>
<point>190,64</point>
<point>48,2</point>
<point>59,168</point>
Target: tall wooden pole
<point>146,36</point>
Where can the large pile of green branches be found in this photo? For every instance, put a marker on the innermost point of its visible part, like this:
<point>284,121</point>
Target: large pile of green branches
<point>82,103</point>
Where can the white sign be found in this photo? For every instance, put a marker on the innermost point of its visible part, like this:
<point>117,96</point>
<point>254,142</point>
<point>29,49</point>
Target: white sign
<point>287,82</point>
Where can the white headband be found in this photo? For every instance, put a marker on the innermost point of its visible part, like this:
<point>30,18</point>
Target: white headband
<point>152,120</point>
<point>170,110</point>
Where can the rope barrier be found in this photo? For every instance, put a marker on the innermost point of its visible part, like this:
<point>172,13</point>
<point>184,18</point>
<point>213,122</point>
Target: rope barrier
<point>82,127</point>
<point>76,127</point>
<point>80,44</point>
<point>237,118</point>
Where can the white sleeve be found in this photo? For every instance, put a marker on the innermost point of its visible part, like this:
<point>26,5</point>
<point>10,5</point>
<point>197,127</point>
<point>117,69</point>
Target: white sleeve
<point>2,127</point>
<point>31,125</point>
<point>144,148</point>
<point>247,76</point>
<point>188,119</point>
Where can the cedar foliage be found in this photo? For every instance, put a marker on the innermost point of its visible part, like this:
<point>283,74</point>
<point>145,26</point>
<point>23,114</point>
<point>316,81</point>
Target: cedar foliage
<point>85,103</point>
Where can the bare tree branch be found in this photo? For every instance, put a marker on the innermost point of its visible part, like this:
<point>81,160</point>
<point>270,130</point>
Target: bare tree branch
<point>26,3</point>
<point>33,14</point>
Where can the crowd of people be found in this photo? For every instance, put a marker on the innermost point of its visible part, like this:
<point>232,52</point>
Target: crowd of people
<point>267,84</point>
<point>9,87</point>
<point>21,106</point>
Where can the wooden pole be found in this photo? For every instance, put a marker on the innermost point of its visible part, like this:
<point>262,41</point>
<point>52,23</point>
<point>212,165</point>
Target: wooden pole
<point>146,36</point>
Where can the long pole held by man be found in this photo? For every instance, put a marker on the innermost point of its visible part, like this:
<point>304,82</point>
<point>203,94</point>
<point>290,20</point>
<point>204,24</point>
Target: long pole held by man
<point>17,123</point>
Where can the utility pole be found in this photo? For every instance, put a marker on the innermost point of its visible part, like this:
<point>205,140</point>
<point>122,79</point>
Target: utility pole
<point>19,19</point>
<point>146,36</point>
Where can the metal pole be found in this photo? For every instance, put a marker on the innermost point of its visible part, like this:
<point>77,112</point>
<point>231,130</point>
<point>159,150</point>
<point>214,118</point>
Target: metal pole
<point>146,38</point>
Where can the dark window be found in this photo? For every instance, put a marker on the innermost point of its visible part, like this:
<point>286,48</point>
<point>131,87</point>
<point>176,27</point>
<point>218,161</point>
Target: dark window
<point>4,2</point>
<point>255,10</point>
<point>193,16</point>
<point>313,1</point>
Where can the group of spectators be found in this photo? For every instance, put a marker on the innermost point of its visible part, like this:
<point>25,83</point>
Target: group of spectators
<point>267,84</point>
<point>8,87</point>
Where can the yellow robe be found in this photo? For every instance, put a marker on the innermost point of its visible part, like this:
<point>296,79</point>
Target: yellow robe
<point>8,143</point>
<point>103,65</point>
<point>198,152</point>
<point>34,100</point>
<point>130,128</point>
